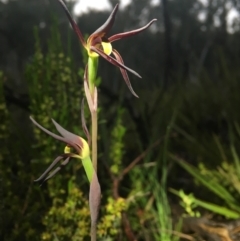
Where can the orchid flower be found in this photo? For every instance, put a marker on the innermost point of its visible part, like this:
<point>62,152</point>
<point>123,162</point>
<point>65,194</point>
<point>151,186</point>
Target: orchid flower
<point>99,44</point>
<point>80,146</point>
<point>76,147</point>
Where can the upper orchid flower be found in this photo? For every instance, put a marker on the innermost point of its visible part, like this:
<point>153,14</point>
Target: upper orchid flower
<point>99,44</point>
<point>76,147</point>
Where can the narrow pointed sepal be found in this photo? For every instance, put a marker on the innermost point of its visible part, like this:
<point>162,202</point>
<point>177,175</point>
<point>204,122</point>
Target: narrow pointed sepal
<point>57,137</point>
<point>69,136</point>
<point>60,138</point>
<point>124,72</point>
<point>73,23</point>
<point>130,33</point>
<point>114,61</point>
<point>53,173</point>
<point>54,163</point>
<point>45,176</point>
<point>104,29</point>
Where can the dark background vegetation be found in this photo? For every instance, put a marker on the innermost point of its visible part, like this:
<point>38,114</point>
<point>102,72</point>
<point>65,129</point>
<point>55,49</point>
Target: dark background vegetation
<point>189,66</point>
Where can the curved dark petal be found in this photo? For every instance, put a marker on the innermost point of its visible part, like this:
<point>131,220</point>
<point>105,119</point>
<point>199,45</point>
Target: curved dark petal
<point>129,33</point>
<point>84,126</point>
<point>73,23</point>
<point>124,72</point>
<point>60,138</point>
<point>104,29</point>
<point>64,163</point>
<point>113,61</point>
<point>70,137</point>
<point>54,163</point>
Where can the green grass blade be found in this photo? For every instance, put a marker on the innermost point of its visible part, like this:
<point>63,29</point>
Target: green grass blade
<point>207,182</point>
<point>228,213</point>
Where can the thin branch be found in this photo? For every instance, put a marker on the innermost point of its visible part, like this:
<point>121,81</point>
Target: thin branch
<point>116,180</point>
<point>138,159</point>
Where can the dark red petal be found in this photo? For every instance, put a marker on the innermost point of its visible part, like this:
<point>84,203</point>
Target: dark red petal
<point>63,139</point>
<point>124,72</point>
<point>54,163</point>
<point>104,29</point>
<point>48,132</point>
<point>69,136</point>
<point>64,163</point>
<point>73,23</point>
<point>129,33</point>
<point>113,61</point>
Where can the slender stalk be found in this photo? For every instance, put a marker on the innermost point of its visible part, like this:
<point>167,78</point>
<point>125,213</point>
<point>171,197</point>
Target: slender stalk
<point>94,138</point>
<point>91,94</point>
<point>92,73</point>
<point>93,231</point>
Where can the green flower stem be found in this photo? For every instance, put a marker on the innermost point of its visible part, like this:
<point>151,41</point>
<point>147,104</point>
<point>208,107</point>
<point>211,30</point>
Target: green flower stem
<point>92,73</point>
<point>94,138</point>
<point>88,167</point>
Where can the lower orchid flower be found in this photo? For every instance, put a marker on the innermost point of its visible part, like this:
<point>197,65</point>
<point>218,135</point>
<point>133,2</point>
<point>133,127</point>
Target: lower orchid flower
<point>76,147</point>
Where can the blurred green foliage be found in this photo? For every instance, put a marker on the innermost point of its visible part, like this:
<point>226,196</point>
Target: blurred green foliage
<point>68,217</point>
<point>116,151</point>
<point>16,183</point>
<point>223,180</point>
<point>109,226</point>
